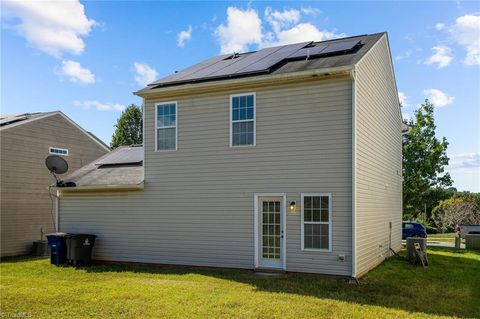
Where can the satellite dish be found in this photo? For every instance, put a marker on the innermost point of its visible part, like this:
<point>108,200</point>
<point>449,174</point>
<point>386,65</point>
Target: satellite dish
<point>56,164</point>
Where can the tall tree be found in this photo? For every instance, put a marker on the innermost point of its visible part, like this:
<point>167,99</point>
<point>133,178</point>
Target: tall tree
<point>424,161</point>
<point>128,130</point>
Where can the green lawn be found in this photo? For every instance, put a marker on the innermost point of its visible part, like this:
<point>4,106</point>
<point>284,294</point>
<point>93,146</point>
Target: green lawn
<point>34,288</point>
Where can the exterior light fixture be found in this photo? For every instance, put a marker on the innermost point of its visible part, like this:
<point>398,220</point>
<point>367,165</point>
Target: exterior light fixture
<point>292,207</point>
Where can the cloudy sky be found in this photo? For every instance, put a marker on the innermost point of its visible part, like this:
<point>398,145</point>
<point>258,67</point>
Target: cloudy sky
<point>86,58</point>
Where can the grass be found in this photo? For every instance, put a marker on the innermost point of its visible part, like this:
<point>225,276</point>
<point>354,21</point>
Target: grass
<point>449,287</point>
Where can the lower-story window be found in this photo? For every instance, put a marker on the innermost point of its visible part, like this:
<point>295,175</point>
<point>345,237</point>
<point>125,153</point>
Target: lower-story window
<point>316,221</point>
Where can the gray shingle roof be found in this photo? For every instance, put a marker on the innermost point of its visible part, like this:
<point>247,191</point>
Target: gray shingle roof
<point>121,167</point>
<point>277,60</point>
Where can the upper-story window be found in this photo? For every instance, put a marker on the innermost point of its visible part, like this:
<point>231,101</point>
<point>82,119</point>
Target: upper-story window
<point>242,119</point>
<point>58,151</point>
<point>166,126</point>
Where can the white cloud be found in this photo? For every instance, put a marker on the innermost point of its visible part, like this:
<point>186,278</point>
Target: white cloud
<point>286,28</point>
<point>403,99</point>
<point>243,28</point>
<point>465,171</point>
<point>464,161</point>
<point>76,73</point>
<point>279,19</point>
<point>144,74</point>
<point>184,36</point>
<point>302,32</point>
<point>310,11</point>
<point>54,27</point>
<point>442,56</point>
<point>405,55</point>
<point>99,105</point>
<point>466,31</point>
<point>438,98</point>
<point>440,26</point>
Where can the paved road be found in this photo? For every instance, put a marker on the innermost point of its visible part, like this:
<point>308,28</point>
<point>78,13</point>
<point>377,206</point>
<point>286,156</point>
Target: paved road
<point>443,244</point>
<point>439,244</point>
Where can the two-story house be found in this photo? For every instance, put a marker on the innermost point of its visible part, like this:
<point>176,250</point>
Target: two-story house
<point>25,202</point>
<point>285,158</point>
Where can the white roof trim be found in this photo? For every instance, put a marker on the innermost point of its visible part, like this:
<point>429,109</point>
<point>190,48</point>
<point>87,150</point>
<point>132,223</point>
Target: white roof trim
<point>235,82</point>
<point>139,186</point>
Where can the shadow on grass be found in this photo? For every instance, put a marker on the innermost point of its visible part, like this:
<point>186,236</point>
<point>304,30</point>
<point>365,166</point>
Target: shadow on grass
<point>23,258</point>
<point>450,286</point>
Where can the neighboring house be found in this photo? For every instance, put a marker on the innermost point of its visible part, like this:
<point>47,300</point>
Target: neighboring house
<point>26,140</point>
<point>286,158</point>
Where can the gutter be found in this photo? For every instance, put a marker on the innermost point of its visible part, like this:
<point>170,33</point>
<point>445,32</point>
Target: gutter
<point>243,82</point>
<point>100,188</point>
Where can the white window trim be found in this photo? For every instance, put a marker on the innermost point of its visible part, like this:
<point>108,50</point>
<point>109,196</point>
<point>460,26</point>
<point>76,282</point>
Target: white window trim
<point>330,204</point>
<point>239,121</point>
<point>172,126</point>
<point>50,148</point>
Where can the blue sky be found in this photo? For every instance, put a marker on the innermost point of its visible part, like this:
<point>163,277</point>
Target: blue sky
<point>86,58</point>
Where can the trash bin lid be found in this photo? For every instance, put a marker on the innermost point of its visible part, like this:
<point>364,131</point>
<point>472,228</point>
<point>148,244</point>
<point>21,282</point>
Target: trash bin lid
<point>82,235</point>
<point>58,234</point>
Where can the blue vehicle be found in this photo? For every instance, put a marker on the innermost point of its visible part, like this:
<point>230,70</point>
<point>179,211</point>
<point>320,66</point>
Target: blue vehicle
<point>413,229</point>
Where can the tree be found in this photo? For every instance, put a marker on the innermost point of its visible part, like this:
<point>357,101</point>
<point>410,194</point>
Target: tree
<point>424,161</point>
<point>129,127</point>
<point>462,209</point>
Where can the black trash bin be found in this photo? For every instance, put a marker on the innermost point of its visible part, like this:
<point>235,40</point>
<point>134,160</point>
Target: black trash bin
<point>79,249</point>
<point>58,248</point>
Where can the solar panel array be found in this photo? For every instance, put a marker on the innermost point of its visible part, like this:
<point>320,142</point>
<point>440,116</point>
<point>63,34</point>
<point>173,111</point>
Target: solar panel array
<point>122,156</point>
<point>262,61</point>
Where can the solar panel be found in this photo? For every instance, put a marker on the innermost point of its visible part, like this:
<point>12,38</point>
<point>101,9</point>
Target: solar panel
<point>247,61</point>
<point>309,51</point>
<point>256,62</point>
<point>126,155</point>
<point>274,58</point>
<point>342,46</point>
<point>190,70</point>
<point>218,66</point>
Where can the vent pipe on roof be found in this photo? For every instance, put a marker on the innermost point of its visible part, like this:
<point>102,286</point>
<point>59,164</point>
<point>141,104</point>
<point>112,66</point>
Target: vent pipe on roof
<point>308,55</point>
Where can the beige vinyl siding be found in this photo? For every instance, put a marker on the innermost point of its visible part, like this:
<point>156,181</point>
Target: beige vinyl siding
<point>25,203</point>
<point>197,207</point>
<point>378,164</point>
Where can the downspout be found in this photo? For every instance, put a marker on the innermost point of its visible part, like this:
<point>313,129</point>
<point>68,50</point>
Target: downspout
<point>354,161</point>
<point>57,204</point>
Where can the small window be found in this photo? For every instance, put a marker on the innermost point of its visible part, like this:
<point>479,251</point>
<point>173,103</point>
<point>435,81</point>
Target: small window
<point>166,126</point>
<point>409,226</point>
<point>58,151</point>
<point>242,120</point>
<point>316,221</point>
